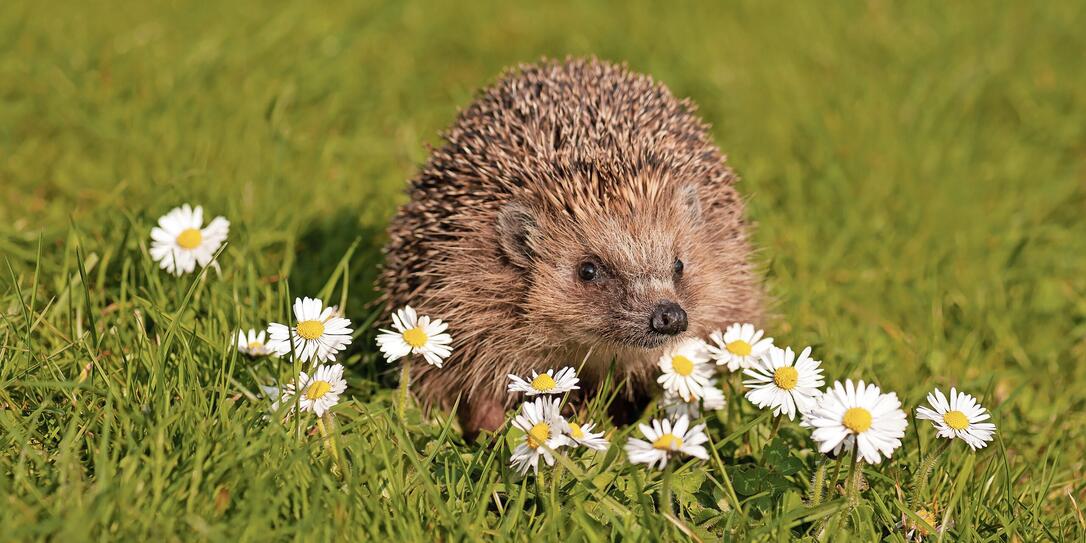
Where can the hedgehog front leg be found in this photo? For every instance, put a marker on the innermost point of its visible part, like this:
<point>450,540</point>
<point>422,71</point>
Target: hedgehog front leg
<point>625,410</point>
<point>478,414</point>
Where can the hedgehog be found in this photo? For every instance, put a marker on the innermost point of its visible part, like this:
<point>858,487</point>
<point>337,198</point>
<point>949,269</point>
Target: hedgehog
<point>576,214</point>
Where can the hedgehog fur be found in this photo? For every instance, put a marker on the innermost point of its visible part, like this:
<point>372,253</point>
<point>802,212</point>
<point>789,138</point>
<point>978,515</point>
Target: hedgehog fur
<point>558,163</point>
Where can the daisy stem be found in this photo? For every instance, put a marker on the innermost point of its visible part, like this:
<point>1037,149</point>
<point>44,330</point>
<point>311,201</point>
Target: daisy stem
<point>405,387</point>
<point>920,482</point>
<point>540,490</point>
<point>855,475</point>
<point>327,426</point>
<point>724,476</point>
<point>665,489</point>
<point>735,408</point>
<point>554,481</point>
<point>772,433</point>
<point>818,483</point>
<point>774,429</point>
<point>836,472</point>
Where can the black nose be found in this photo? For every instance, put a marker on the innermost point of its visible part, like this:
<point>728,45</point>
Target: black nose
<point>668,318</point>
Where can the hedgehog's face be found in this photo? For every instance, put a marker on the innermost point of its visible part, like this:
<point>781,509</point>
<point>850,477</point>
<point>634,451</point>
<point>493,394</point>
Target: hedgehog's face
<point>630,298</point>
<point>627,282</point>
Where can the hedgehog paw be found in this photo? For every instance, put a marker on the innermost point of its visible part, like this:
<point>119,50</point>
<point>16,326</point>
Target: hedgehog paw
<point>477,415</point>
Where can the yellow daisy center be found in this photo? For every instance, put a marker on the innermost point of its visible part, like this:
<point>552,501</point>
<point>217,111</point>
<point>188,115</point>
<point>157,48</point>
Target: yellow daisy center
<point>543,382</point>
<point>255,345</point>
<point>739,347</point>
<point>956,420</point>
<point>576,431</point>
<point>310,329</point>
<point>667,442</point>
<point>857,419</point>
<point>415,337</point>
<point>317,390</point>
<point>538,435</point>
<point>786,378</point>
<point>682,365</point>
<point>190,238</point>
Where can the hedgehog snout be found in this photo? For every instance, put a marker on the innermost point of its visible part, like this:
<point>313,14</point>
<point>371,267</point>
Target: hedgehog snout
<point>668,318</point>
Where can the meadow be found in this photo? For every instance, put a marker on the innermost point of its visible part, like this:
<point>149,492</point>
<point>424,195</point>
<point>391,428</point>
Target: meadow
<point>915,174</point>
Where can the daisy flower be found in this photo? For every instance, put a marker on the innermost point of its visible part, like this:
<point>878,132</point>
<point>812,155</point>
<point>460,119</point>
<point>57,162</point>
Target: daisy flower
<point>739,346</point>
<point>712,399</point>
<point>415,334</point>
<point>544,432</point>
<point>685,369</point>
<point>546,383</point>
<point>274,395</point>
<point>666,440</point>
<point>860,415</point>
<point>271,391</point>
<point>582,435</point>
<point>806,413</point>
<point>784,382</point>
<point>320,391</point>
<point>958,418</point>
<point>253,343</point>
<point>179,242</point>
<point>317,333</point>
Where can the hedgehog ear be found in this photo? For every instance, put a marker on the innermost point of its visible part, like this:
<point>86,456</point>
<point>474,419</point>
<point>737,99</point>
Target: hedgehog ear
<point>691,201</point>
<point>517,234</point>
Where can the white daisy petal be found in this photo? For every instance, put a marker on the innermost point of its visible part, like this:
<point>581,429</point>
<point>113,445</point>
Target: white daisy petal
<point>738,346</point>
<point>959,416</point>
<point>781,381</point>
<point>413,334</point>
<point>548,382</point>
<point>319,392</point>
<point>685,369</point>
<point>545,431</point>
<point>311,337</point>
<point>581,434</point>
<point>861,416</point>
<point>178,243</point>
<point>253,344</point>
<point>712,399</point>
<point>665,441</point>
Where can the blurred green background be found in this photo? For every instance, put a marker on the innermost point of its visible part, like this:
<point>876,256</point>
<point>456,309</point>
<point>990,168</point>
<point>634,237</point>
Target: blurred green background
<point>915,170</point>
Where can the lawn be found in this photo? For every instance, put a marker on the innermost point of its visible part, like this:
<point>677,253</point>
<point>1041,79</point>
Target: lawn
<point>915,172</point>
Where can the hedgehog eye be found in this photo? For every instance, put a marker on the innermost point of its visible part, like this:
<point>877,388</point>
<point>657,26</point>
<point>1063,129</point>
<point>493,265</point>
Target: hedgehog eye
<point>677,267</point>
<point>588,271</point>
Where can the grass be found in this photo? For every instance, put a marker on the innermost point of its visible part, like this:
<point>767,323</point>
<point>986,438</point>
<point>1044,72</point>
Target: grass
<point>915,171</point>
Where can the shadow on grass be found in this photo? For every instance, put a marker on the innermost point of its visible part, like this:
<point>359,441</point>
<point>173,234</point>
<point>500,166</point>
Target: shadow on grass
<point>320,249</point>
